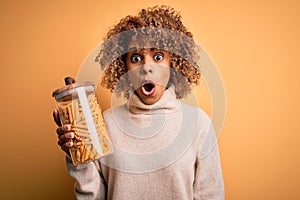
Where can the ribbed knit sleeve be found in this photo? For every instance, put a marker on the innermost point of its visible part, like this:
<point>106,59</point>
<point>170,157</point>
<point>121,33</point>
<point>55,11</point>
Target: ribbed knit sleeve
<point>208,183</point>
<point>88,182</point>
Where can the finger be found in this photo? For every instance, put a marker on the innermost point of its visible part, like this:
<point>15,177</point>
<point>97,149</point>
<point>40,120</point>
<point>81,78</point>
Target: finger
<point>56,117</point>
<point>66,146</point>
<point>66,137</point>
<point>63,129</point>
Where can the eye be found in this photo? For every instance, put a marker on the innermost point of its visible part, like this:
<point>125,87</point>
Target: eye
<point>136,58</point>
<point>158,57</point>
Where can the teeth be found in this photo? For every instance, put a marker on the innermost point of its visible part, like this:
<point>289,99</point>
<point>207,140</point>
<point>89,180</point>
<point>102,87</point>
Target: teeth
<point>148,88</point>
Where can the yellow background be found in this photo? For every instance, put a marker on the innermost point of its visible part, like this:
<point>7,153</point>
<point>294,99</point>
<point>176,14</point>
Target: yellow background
<point>255,45</point>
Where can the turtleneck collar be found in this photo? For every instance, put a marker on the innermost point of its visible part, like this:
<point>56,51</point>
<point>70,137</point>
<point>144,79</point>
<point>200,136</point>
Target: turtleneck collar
<point>166,104</point>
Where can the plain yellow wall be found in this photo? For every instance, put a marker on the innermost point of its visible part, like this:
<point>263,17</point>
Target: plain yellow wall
<point>255,45</point>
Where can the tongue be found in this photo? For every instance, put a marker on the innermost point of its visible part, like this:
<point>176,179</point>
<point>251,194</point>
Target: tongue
<point>148,87</point>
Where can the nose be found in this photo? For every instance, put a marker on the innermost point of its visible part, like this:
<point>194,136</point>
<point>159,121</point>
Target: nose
<point>146,68</point>
<point>147,65</point>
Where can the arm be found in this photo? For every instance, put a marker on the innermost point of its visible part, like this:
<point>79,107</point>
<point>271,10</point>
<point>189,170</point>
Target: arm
<point>88,180</point>
<point>89,183</point>
<point>208,182</point>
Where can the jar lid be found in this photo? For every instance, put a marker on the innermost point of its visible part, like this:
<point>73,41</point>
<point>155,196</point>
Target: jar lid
<point>71,88</point>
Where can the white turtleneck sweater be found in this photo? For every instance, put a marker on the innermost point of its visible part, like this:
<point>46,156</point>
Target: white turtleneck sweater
<point>165,151</point>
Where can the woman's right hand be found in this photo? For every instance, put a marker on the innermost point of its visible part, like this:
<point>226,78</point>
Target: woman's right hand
<point>64,133</point>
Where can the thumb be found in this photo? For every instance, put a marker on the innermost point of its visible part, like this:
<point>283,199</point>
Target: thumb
<point>56,117</point>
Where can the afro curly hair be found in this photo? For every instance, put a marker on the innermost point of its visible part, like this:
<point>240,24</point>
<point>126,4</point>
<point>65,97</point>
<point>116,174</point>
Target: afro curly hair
<point>162,26</point>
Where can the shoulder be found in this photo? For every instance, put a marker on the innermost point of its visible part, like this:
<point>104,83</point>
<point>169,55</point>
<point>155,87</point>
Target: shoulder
<point>200,122</point>
<point>107,114</point>
<point>196,114</point>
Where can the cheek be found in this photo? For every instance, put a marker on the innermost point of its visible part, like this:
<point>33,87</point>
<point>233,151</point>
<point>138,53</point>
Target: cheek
<point>166,73</point>
<point>164,76</point>
<point>134,76</point>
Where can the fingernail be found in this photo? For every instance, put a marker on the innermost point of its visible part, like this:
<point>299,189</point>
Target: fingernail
<point>67,127</point>
<point>71,135</point>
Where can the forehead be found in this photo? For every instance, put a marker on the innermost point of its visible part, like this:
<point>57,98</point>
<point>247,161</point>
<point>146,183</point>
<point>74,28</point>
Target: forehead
<point>145,45</point>
<point>142,46</point>
<point>136,44</point>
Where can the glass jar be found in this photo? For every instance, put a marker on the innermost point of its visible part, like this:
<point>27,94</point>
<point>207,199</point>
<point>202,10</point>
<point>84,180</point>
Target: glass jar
<point>78,106</point>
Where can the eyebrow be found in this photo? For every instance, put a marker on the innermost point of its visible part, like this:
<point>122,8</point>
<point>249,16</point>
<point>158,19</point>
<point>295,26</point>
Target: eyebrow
<point>132,49</point>
<point>136,49</point>
<point>154,49</point>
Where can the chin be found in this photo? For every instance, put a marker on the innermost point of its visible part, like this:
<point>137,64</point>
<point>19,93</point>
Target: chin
<point>149,101</point>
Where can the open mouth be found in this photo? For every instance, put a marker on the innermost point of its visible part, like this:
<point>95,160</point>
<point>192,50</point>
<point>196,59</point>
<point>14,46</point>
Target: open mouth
<point>148,88</point>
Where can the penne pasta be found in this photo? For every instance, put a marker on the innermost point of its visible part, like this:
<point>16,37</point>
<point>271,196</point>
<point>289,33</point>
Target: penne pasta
<point>83,150</point>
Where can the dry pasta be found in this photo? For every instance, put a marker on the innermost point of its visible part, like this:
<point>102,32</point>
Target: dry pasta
<point>83,149</point>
